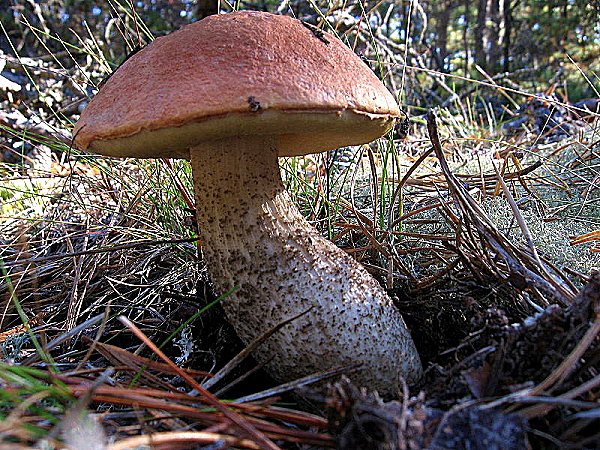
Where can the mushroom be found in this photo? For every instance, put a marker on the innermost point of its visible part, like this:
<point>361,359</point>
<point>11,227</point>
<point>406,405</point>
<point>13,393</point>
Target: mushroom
<point>232,93</point>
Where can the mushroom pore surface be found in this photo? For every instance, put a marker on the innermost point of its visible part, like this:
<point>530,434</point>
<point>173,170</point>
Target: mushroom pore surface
<point>255,239</point>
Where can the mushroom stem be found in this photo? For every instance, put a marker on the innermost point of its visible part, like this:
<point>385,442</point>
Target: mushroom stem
<point>255,238</point>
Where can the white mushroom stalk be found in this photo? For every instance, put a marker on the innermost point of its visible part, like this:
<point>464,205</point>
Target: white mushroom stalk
<point>255,238</point>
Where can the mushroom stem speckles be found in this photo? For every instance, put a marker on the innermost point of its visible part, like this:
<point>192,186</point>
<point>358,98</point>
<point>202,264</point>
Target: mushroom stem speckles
<point>256,239</point>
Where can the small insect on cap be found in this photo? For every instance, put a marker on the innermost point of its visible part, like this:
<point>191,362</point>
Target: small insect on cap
<point>243,73</point>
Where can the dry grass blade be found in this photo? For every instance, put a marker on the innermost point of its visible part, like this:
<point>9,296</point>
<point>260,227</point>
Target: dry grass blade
<point>141,366</point>
<point>100,250</point>
<point>186,406</point>
<point>298,384</point>
<point>182,439</point>
<point>236,360</point>
<point>584,238</point>
<point>208,397</point>
<point>562,285</point>
<point>570,363</point>
<point>544,407</point>
<point>66,336</point>
<point>511,262</point>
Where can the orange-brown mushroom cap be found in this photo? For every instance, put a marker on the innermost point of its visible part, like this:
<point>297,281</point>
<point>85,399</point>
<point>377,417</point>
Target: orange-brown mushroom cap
<point>243,73</point>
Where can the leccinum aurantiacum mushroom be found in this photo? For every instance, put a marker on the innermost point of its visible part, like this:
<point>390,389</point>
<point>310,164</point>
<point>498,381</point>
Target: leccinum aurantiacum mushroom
<point>232,93</point>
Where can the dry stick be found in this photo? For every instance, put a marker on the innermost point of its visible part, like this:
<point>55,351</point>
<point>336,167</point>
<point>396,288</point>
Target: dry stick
<point>363,221</point>
<point>507,176</point>
<point>288,416</point>
<point>567,367</point>
<point>102,250</point>
<point>117,355</point>
<point>485,227</point>
<point>392,223</point>
<point>535,279</point>
<point>63,337</point>
<point>359,215</point>
<point>527,234</point>
<point>375,187</point>
<point>237,359</point>
<point>137,364</point>
<point>522,396</point>
<point>248,373</point>
<point>417,211</point>
<point>432,237</point>
<point>471,245</point>
<point>542,409</point>
<point>582,276</point>
<point>171,410</point>
<point>186,406</point>
<point>558,401</point>
<point>234,417</point>
<point>96,339</point>
<point>301,382</point>
<point>432,280</point>
<point>584,238</point>
<point>75,300</point>
<point>177,438</point>
<point>459,196</point>
<point>404,179</point>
